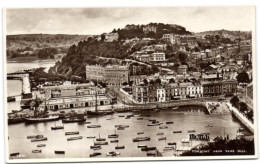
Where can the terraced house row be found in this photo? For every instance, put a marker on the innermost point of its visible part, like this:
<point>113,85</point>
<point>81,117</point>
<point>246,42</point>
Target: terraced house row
<point>178,91</point>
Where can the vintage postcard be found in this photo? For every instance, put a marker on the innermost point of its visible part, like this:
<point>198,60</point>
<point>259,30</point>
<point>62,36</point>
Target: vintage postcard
<point>130,83</point>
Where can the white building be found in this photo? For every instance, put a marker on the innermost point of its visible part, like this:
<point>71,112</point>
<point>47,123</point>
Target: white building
<point>160,92</point>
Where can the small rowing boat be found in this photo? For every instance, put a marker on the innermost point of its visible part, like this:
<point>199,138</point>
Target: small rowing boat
<point>160,133</point>
<point>41,145</point>
<point>39,139</point>
<point>120,147</point>
<point>163,127</point>
<point>162,138</point>
<point>169,122</point>
<point>94,154</point>
<point>74,138</point>
<point>59,152</point>
<point>94,126</point>
<point>113,141</point>
<point>36,151</point>
<point>140,133</point>
<point>137,139</point>
<point>71,133</point>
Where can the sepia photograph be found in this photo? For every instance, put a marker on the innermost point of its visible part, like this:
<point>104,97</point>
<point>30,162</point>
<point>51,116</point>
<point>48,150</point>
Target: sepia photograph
<point>129,83</point>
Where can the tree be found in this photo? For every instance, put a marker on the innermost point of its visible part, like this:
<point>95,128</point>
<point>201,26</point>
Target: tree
<point>158,81</point>
<point>234,101</point>
<point>242,107</point>
<point>172,80</point>
<point>243,77</point>
<point>152,82</point>
<point>145,82</point>
<point>103,37</point>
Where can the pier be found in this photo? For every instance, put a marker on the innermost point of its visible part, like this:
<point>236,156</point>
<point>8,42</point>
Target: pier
<point>249,125</point>
<point>26,86</point>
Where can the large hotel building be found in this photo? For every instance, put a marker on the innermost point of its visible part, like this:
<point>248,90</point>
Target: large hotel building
<point>113,75</point>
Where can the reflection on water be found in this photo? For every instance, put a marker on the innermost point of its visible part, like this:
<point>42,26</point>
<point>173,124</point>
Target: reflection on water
<point>57,140</point>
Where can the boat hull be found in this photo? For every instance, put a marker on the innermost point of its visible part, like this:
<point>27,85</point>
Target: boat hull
<point>37,120</point>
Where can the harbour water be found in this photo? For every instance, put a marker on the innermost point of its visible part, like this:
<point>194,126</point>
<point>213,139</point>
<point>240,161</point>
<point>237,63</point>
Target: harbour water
<point>190,118</point>
<point>193,119</point>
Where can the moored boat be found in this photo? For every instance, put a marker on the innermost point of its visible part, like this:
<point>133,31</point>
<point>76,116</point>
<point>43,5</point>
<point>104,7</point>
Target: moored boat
<point>94,154</point>
<point>41,119</point>
<point>120,147</point>
<point>148,148</point>
<point>140,118</point>
<point>87,122</point>
<point>168,148</point>
<point>137,139</point>
<point>59,152</point>
<point>41,145</point>
<point>191,131</point>
<point>169,122</point>
<point>91,137</point>
<point>73,119</point>
<point>154,124</point>
<point>163,127</point>
<point>71,133</point>
<point>74,138</point>
<point>101,143</point>
<point>113,153</point>
<point>36,151</point>
<point>177,131</point>
<point>10,98</point>
<point>113,136</point>
<point>140,133</point>
<point>160,133</point>
<point>113,141</point>
<point>141,146</point>
<point>95,146</point>
<point>14,154</point>
<point>39,139</point>
<point>93,126</point>
<point>57,127</point>
<point>162,138</point>
<point>172,143</point>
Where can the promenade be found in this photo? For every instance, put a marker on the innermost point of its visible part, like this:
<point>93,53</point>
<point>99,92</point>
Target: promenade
<point>249,125</point>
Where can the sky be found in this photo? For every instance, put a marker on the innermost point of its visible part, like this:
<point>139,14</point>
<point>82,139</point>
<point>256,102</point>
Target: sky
<point>95,21</point>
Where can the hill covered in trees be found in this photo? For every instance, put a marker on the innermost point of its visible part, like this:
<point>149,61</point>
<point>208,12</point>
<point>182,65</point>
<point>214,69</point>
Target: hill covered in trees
<point>227,34</point>
<point>40,45</point>
<point>88,52</point>
<point>153,30</point>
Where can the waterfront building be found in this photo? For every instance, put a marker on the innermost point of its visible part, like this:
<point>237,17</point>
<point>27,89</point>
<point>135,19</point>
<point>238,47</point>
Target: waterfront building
<point>77,102</point>
<point>161,94</point>
<point>140,93</point>
<point>95,72</point>
<point>114,75</point>
<point>175,91</point>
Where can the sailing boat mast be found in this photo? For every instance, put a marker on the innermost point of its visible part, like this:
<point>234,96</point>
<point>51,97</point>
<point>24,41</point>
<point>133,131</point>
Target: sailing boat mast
<point>96,96</point>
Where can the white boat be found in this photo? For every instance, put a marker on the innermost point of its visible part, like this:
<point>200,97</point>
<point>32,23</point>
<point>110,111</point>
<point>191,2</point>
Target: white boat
<point>113,153</point>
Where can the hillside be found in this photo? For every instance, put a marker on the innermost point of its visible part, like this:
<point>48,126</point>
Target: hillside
<point>153,30</point>
<point>40,45</point>
<point>88,51</point>
<point>35,41</point>
<point>227,34</point>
